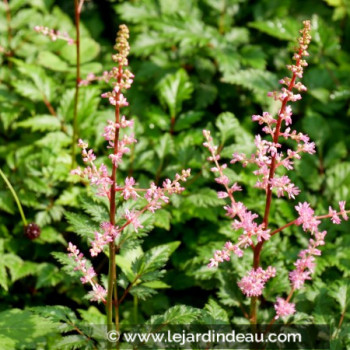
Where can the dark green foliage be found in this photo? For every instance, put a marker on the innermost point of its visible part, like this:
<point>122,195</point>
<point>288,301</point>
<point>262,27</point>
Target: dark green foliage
<point>197,64</point>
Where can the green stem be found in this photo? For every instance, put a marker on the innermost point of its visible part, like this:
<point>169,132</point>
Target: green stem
<point>77,9</point>
<point>136,305</point>
<point>14,194</point>
<point>110,286</point>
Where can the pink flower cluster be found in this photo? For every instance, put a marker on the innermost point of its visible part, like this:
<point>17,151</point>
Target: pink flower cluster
<point>106,76</point>
<point>269,155</point>
<point>254,282</point>
<point>242,217</point>
<point>98,293</point>
<point>54,34</point>
<point>110,232</point>
<point>283,308</point>
<point>268,158</point>
<point>98,176</point>
<point>107,186</point>
<point>305,265</point>
<point>123,77</point>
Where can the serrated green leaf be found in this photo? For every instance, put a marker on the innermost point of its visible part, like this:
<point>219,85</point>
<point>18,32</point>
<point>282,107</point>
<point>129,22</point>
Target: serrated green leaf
<point>204,198</point>
<point>48,275</point>
<point>216,312</point>
<point>3,276</point>
<point>162,219</point>
<point>51,61</point>
<point>7,203</point>
<point>20,328</point>
<point>179,314</point>
<point>125,264</point>
<point>285,29</point>
<point>259,81</point>
<point>89,49</point>
<point>142,292</point>
<point>72,342</point>
<point>341,293</point>
<point>156,257</point>
<point>185,120</point>
<point>228,125</point>
<point>165,146</point>
<point>55,313</point>
<point>173,90</point>
<point>41,122</point>
<point>82,224</point>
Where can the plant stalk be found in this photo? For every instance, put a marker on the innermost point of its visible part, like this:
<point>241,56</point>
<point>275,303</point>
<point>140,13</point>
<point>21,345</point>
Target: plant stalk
<point>77,11</point>
<point>14,194</point>
<point>258,247</point>
<point>112,292</point>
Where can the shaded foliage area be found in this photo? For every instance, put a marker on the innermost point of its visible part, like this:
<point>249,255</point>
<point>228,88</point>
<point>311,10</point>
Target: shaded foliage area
<point>197,64</point>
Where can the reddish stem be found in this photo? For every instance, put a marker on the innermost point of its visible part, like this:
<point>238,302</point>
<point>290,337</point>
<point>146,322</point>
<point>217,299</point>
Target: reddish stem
<point>258,247</point>
<point>77,10</point>
<point>112,292</point>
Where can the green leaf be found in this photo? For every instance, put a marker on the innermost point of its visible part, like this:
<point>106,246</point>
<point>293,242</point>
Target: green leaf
<point>142,292</point>
<point>284,29</point>
<point>55,313</point>
<point>156,285</point>
<point>227,123</point>
<point>7,202</point>
<point>228,291</point>
<point>95,208</point>
<point>341,293</point>
<point>21,329</point>
<point>156,257</point>
<point>41,122</point>
<point>48,275</point>
<point>173,90</point>
<point>125,264</point>
<point>186,120</point>
<point>259,81</point>
<point>44,85</point>
<point>51,61</point>
<point>162,219</point>
<point>27,89</point>
<point>3,274</point>
<point>165,146</point>
<point>179,314</point>
<point>82,224</point>
<point>204,198</point>
<point>216,312</point>
<point>19,268</point>
<point>89,49</point>
<point>338,181</point>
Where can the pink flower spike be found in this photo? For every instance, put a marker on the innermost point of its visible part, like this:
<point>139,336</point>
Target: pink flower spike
<point>335,218</point>
<point>235,188</point>
<point>128,190</point>
<point>132,217</point>
<point>82,144</point>
<point>98,293</point>
<point>342,210</point>
<point>254,283</point>
<point>283,308</point>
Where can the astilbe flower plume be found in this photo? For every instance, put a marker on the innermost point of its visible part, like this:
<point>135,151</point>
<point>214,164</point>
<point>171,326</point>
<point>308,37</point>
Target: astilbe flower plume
<point>106,184</point>
<point>54,34</point>
<point>268,159</point>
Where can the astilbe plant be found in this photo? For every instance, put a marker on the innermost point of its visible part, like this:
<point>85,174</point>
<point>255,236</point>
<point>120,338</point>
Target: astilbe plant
<point>108,186</point>
<point>267,161</point>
